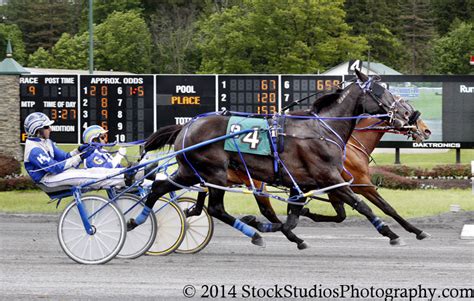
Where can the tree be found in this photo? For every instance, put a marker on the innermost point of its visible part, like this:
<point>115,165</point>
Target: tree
<point>12,33</point>
<point>375,20</point>
<point>103,8</point>
<point>446,11</point>
<point>264,36</point>
<point>71,52</point>
<point>451,53</point>
<point>42,21</point>
<point>418,31</point>
<point>123,42</point>
<point>173,37</point>
<point>41,58</point>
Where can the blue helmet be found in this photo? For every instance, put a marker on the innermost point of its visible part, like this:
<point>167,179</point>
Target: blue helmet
<point>92,132</point>
<point>36,121</point>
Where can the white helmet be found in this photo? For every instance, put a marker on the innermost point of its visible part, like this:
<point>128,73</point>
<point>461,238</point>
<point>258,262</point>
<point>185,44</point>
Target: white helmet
<point>36,121</point>
<point>92,132</point>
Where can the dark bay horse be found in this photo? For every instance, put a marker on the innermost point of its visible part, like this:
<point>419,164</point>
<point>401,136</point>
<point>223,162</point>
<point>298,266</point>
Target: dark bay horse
<point>312,155</point>
<point>360,146</point>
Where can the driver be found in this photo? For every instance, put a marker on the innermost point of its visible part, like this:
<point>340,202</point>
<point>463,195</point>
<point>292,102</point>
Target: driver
<point>49,165</point>
<point>95,135</point>
<point>99,157</point>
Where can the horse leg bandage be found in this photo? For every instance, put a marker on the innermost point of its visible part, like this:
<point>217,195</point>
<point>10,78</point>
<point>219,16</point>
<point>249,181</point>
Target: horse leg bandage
<point>143,216</point>
<point>244,228</point>
<point>378,223</point>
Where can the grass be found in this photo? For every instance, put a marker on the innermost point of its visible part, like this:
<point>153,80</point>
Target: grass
<point>425,160</point>
<point>412,203</point>
<point>409,203</point>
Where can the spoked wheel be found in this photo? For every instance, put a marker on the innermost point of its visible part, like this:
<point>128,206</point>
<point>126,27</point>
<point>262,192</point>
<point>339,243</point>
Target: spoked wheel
<point>141,238</point>
<point>109,231</point>
<point>199,229</point>
<point>171,228</point>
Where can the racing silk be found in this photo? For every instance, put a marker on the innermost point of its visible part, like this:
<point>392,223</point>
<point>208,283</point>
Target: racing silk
<point>102,158</point>
<point>45,157</point>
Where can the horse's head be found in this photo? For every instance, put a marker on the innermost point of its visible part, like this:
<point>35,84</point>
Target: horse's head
<point>420,132</point>
<point>383,101</point>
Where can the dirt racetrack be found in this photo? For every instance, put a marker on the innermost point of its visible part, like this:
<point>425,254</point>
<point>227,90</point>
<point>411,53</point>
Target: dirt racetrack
<point>343,260</point>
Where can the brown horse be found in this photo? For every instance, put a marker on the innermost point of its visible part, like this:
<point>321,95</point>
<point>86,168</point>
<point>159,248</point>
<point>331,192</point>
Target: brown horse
<point>360,146</point>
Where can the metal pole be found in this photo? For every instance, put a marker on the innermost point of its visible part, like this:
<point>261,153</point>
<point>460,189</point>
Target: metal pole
<point>458,156</point>
<point>91,40</point>
<point>397,156</point>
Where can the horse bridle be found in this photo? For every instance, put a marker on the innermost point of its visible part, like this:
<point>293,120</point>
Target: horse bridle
<point>375,91</point>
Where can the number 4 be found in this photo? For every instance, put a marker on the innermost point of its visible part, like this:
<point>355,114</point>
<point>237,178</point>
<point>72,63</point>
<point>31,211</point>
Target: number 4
<point>252,138</point>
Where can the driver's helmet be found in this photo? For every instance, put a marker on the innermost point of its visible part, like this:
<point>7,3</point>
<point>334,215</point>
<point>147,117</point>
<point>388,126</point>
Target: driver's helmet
<point>92,132</point>
<point>36,121</point>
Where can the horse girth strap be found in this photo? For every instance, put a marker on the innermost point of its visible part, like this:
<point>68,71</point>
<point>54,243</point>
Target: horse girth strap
<point>276,127</point>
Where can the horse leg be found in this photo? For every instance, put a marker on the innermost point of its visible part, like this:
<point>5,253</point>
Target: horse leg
<point>372,195</point>
<point>158,189</point>
<point>293,211</point>
<point>267,210</point>
<point>217,210</point>
<point>197,209</point>
<point>346,195</point>
<point>338,207</point>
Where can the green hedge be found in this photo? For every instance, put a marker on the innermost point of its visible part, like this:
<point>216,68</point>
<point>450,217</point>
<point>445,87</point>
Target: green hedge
<point>390,180</point>
<point>439,171</point>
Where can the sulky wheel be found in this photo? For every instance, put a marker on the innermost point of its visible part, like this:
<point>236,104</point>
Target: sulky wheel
<point>109,228</point>
<point>141,238</point>
<point>171,228</point>
<point>199,229</point>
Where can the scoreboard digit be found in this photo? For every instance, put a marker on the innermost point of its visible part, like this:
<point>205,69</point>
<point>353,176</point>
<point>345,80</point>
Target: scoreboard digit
<point>248,93</point>
<point>296,87</point>
<point>55,96</point>
<point>181,97</point>
<point>123,105</point>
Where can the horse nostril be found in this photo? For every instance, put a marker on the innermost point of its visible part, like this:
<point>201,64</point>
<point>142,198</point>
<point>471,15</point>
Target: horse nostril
<point>407,114</point>
<point>427,132</point>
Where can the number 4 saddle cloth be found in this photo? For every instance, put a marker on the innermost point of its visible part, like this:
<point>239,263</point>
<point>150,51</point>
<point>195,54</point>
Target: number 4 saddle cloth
<point>256,142</point>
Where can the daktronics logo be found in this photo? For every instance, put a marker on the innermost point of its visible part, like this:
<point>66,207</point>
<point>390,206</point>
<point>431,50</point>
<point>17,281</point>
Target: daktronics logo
<point>437,145</point>
<point>466,89</point>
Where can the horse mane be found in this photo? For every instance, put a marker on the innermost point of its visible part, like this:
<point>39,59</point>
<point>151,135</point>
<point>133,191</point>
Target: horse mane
<point>320,103</point>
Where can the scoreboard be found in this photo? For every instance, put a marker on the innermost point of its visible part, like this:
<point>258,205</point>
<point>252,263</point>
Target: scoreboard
<point>55,96</point>
<point>132,107</point>
<point>181,97</point>
<point>123,105</point>
<point>249,93</point>
<point>296,87</point>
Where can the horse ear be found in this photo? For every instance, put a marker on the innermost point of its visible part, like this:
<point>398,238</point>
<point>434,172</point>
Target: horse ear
<point>361,75</point>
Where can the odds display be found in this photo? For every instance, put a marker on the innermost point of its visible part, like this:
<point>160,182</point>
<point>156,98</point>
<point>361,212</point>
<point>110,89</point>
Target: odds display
<point>123,105</point>
<point>55,96</point>
<point>249,93</point>
<point>296,87</point>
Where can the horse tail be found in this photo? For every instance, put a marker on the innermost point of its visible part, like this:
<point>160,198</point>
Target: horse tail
<point>164,136</point>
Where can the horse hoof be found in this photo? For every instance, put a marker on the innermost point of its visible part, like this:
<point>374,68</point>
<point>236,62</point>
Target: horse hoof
<point>302,246</point>
<point>248,219</point>
<point>397,242</point>
<point>131,224</point>
<point>423,235</point>
<point>258,240</point>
